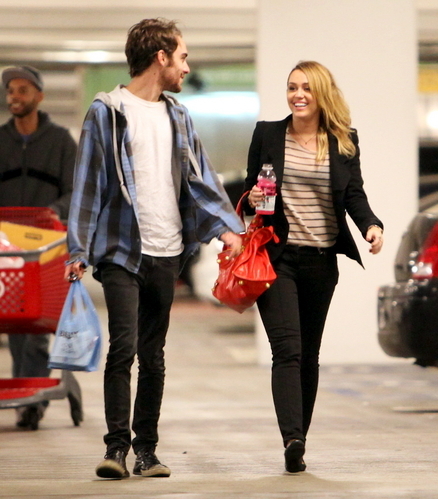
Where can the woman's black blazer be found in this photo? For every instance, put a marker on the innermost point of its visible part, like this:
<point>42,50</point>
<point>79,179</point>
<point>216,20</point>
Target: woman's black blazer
<point>268,146</point>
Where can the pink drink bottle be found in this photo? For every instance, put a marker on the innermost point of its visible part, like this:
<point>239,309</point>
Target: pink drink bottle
<point>266,181</point>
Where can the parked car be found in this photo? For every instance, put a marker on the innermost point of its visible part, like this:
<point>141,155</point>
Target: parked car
<point>408,309</point>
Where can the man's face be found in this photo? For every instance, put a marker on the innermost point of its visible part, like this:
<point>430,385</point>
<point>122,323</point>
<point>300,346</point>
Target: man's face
<point>22,97</point>
<point>173,73</point>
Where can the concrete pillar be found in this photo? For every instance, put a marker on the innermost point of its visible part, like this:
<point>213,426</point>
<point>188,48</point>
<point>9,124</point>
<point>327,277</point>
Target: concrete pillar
<point>370,47</point>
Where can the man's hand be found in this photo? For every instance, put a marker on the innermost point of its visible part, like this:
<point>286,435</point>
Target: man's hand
<point>74,271</point>
<point>234,241</point>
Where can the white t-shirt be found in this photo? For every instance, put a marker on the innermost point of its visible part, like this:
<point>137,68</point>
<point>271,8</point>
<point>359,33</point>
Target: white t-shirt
<point>157,186</point>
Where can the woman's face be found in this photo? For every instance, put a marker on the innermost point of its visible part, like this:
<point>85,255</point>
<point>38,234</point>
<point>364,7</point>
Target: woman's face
<point>299,96</point>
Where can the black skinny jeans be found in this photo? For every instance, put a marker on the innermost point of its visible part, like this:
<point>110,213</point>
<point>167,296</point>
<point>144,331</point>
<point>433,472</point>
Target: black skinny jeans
<point>293,311</point>
<point>138,319</point>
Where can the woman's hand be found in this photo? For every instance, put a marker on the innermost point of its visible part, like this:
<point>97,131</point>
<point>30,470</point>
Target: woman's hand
<point>233,241</point>
<point>375,237</point>
<point>74,271</point>
<point>255,196</point>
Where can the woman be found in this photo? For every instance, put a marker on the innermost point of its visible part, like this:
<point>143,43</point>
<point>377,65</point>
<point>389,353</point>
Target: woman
<point>315,156</point>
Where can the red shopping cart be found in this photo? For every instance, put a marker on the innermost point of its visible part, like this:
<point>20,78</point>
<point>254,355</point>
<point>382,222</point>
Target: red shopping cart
<point>32,294</point>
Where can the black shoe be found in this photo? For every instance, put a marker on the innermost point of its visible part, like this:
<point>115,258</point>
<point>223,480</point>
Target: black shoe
<point>293,455</point>
<point>113,465</point>
<point>147,464</point>
<point>29,417</point>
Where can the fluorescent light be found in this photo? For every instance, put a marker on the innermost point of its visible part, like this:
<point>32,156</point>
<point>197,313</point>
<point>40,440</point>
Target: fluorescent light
<point>432,119</point>
<point>222,103</point>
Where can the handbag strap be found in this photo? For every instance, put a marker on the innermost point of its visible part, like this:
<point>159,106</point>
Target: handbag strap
<point>239,209</point>
<point>257,222</point>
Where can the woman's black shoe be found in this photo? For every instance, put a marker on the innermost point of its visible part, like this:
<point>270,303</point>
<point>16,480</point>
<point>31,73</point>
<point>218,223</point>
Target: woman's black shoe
<point>293,456</point>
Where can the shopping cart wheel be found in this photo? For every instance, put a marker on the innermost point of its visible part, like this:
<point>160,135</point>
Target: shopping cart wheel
<point>75,410</point>
<point>74,395</point>
<point>76,415</point>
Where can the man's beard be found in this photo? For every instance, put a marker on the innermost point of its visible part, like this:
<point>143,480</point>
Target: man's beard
<point>169,84</point>
<point>173,87</point>
<point>25,110</point>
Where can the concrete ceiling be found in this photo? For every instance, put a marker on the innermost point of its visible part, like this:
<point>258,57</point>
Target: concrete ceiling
<point>83,31</point>
<point>95,30</point>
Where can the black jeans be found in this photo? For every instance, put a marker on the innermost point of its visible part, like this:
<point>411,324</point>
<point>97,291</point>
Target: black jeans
<point>293,311</point>
<point>30,355</point>
<point>138,319</point>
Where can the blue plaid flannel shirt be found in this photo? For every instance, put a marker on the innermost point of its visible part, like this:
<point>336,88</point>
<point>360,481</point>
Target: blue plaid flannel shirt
<point>103,222</point>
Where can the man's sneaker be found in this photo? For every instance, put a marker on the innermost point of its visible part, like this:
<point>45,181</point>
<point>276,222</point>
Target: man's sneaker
<point>147,464</point>
<point>113,465</point>
<point>29,417</point>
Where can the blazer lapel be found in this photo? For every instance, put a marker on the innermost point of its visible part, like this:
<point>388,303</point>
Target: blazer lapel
<point>276,147</point>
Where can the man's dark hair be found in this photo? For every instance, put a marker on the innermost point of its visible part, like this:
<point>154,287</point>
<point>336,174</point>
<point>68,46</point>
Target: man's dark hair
<point>146,39</point>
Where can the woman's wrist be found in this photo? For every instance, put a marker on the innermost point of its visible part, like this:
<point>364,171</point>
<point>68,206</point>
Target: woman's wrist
<point>375,225</point>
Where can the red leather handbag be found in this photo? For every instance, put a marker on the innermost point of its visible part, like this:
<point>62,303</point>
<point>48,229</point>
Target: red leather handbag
<point>244,278</point>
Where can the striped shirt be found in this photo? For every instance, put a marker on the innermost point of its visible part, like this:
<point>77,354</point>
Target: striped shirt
<point>307,197</point>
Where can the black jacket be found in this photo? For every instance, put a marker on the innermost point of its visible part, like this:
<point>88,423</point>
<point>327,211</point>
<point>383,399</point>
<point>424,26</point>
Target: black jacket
<point>268,146</point>
<point>38,172</point>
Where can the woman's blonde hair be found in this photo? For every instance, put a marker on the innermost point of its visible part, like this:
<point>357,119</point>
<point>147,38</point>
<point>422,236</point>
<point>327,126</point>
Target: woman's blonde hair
<point>335,113</point>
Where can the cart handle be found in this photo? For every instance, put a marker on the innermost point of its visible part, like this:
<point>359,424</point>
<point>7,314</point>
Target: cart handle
<point>32,255</point>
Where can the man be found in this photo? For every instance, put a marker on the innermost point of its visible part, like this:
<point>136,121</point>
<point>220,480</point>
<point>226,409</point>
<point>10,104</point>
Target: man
<point>140,207</point>
<point>36,169</point>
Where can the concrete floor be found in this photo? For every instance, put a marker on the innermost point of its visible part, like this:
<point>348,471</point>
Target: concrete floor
<point>374,433</point>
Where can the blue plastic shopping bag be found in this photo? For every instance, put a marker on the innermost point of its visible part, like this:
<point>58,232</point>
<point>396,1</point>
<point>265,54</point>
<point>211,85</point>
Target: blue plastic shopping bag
<point>78,339</point>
